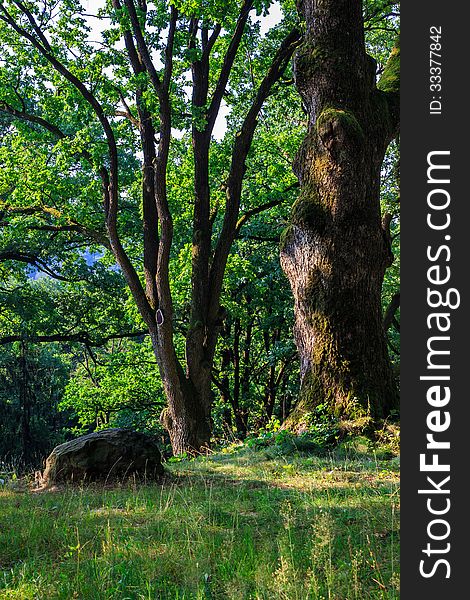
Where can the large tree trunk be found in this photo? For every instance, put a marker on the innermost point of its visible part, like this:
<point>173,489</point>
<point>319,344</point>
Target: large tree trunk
<point>187,417</point>
<point>186,421</point>
<point>335,250</point>
<point>189,393</point>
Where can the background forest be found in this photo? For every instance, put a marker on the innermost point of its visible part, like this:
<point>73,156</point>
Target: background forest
<point>200,240</point>
<point>75,355</point>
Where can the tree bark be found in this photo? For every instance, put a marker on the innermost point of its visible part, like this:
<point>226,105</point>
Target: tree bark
<point>188,425</point>
<point>189,393</point>
<point>25,405</point>
<point>335,250</point>
<point>271,383</point>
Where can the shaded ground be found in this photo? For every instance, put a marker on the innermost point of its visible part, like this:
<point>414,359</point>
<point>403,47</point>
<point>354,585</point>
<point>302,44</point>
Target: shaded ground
<point>241,525</point>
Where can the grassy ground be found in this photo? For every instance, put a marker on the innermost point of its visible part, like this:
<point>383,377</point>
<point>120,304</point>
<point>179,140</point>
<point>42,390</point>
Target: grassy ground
<point>244,524</point>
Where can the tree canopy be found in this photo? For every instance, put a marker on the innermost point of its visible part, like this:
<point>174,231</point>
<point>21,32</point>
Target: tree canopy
<point>145,181</point>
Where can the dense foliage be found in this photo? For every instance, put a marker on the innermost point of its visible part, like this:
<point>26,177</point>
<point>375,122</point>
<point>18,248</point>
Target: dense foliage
<point>75,353</point>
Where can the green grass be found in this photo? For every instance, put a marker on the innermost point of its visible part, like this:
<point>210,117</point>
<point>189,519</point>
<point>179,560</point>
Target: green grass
<point>244,524</point>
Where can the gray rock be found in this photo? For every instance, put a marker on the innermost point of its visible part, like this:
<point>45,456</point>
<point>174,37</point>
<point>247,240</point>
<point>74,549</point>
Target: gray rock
<point>104,455</point>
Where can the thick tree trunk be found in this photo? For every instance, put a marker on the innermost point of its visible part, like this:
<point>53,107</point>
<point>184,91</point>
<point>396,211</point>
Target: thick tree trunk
<point>187,417</point>
<point>335,250</point>
<point>189,394</point>
<point>187,424</point>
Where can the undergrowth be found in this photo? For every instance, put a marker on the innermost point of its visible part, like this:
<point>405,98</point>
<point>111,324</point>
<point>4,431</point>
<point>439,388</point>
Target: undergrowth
<point>278,517</point>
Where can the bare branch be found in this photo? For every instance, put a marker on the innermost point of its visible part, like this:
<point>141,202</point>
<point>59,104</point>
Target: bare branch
<point>82,337</point>
<point>228,64</point>
<point>255,211</point>
<point>391,310</point>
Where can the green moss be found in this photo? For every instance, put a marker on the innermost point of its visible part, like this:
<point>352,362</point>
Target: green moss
<point>315,394</point>
<point>320,54</point>
<point>309,60</point>
<point>332,117</point>
<point>337,399</point>
<point>285,236</point>
<point>390,80</point>
<point>312,394</point>
<point>308,209</point>
<point>319,322</point>
<point>308,212</point>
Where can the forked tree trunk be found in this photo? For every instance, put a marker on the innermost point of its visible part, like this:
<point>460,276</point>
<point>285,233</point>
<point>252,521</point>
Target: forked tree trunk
<point>187,417</point>
<point>187,422</point>
<point>188,393</point>
<point>335,250</point>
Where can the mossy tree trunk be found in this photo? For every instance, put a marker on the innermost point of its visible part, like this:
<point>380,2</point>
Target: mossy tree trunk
<point>335,250</point>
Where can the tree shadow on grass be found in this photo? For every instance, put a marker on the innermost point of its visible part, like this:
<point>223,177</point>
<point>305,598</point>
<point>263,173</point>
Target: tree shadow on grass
<point>206,531</point>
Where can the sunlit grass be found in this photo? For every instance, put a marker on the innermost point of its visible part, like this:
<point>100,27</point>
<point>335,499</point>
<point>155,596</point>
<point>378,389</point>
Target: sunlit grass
<point>239,525</point>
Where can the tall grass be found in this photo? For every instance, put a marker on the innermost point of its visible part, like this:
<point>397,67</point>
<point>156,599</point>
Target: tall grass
<point>240,525</point>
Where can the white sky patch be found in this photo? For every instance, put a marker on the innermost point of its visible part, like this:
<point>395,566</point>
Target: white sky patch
<point>91,7</point>
<point>274,17</point>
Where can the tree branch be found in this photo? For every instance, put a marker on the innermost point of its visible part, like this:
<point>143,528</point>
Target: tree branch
<point>163,298</point>
<point>143,48</point>
<point>237,169</point>
<point>227,65</point>
<point>71,226</point>
<point>23,115</point>
<point>169,50</point>
<point>207,48</point>
<point>82,337</point>
<point>255,211</point>
<point>34,261</point>
<point>34,25</point>
<point>392,308</point>
<point>110,181</point>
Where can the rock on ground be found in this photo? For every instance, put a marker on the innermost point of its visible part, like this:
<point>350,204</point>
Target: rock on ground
<point>104,455</point>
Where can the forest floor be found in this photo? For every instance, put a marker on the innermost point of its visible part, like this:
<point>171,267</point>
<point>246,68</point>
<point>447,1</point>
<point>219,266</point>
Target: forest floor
<point>241,524</point>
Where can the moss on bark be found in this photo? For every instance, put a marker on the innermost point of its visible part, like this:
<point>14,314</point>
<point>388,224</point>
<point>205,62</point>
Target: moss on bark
<point>334,251</point>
